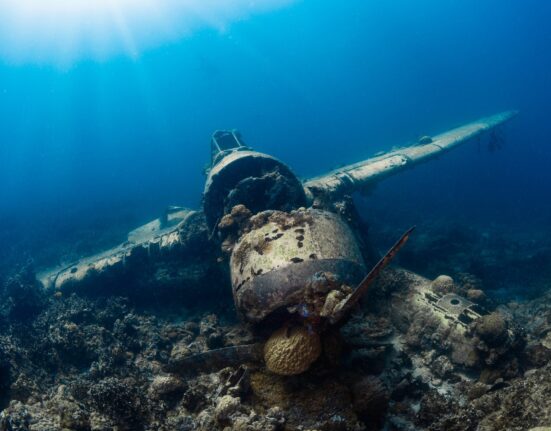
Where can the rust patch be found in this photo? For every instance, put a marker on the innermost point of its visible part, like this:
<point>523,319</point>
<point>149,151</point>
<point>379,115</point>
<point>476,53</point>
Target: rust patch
<point>241,255</point>
<point>263,246</point>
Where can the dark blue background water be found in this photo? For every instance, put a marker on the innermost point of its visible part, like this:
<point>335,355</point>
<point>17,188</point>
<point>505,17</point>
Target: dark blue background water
<point>317,84</point>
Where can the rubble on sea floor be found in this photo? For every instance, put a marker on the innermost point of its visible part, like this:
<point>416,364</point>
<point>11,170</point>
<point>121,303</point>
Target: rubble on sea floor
<point>77,363</point>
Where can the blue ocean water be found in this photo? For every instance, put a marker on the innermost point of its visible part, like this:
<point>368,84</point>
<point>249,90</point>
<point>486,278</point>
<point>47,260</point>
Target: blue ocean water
<point>106,112</point>
<point>87,140</point>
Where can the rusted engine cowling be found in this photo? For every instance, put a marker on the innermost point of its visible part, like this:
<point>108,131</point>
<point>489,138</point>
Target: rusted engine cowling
<point>272,264</point>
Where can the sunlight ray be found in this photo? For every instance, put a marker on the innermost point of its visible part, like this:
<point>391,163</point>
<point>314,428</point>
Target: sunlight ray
<point>64,31</point>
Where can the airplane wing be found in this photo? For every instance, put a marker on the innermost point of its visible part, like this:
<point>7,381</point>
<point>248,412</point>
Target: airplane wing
<point>359,175</point>
<point>165,238</point>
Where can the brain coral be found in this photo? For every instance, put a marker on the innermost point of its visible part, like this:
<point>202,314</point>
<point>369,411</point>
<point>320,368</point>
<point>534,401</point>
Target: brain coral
<point>291,351</point>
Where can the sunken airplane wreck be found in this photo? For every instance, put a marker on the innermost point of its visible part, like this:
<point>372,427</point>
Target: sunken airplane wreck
<point>297,255</point>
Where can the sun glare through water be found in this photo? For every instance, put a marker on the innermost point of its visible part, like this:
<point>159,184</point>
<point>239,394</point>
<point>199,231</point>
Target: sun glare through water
<point>61,32</point>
